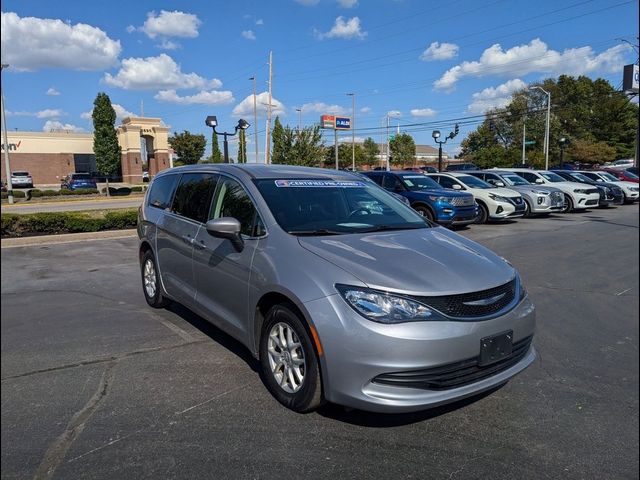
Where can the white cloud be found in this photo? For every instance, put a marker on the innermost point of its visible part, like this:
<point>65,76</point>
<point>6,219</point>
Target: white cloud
<point>168,45</point>
<point>131,29</point>
<point>248,34</point>
<point>308,3</point>
<point>345,29</point>
<point>54,125</point>
<point>30,43</point>
<point>495,97</point>
<point>53,92</point>
<point>423,112</point>
<point>156,73</point>
<point>440,51</point>
<point>121,113</point>
<point>171,24</point>
<point>534,57</point>
<point>323,108</point>
<point>260,22</point>
<point>46,113</point>
<point>348,3</point>
<point>245,107</point>
<point>394,113</point>
<point>212,97</point>
<point>365,110</point>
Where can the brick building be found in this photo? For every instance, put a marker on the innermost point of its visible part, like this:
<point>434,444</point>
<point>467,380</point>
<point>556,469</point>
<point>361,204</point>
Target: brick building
<point>50,156</point>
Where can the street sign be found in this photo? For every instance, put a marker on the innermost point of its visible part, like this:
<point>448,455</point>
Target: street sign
<point>391,137</point>
<point>530,142</point>
<point>328,121</point>
<point>343,123</point>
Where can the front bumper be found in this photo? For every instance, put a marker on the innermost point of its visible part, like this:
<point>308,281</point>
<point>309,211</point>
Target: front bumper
<point>546,203</point>
<point>504,211</point>
<point>457,216</point>
<point>588,200</point>
<point>357,350</point>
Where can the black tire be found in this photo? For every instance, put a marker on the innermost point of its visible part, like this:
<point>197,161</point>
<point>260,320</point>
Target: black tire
<point>308,396</point>
<point>527,209</point>
<point>155,300</point>
<point>568,204</point>
<point>483,214</point>
<point>424,211</point>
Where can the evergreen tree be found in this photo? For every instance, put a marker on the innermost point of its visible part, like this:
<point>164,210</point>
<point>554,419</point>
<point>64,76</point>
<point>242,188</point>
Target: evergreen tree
<point>189,147</point>
<point>216,155</point>
<point>242,147</point>
<point>280,145</point>
<point>403,150</point>
<point>105,138</point>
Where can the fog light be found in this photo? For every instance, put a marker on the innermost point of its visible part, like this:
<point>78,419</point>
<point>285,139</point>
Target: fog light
<point>500,209</point>
<point>447,210</point>
<point>540,200</point>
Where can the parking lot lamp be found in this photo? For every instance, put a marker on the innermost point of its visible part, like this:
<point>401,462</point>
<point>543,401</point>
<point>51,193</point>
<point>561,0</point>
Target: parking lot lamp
<point>212,121</point>
<point>546,132</point>
<point>7,168</point>
<point>436,135</point>
<point>563,143</point>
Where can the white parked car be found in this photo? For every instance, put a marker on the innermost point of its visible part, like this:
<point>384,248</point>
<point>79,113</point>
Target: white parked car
<point>494,203</point>
<point>577,196</point>
<point>631,190</point>
<point>625,163</point>
<point>21,180</point>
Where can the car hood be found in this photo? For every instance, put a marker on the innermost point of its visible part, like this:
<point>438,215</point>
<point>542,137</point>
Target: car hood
<point>534,188</point>
<point>440,192</point>
<point>429,261</point>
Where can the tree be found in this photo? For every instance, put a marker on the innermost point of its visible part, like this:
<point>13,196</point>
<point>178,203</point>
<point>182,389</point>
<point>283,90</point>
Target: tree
<point>188,147</point>
<point>280,143</point>
<point>584,151</point>
<point>403,149</point>
<point>293,147</point>
<point>105,138</point>
<point>345,156</point>
<point>242,147</point>
<point>216,155</point>
<point>371,151</point>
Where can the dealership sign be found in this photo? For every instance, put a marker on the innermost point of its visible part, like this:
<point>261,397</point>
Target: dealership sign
<point>12,146</point>
<point>335,123</point>
<point>630,78</point>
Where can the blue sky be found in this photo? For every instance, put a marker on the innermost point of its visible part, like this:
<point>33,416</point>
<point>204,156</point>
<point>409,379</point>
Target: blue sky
<point>423,62</point>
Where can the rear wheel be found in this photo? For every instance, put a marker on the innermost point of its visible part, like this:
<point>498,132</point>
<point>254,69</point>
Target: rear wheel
<point>151,282</point>
<point>424,211</point>
<point>568,204</point>
<point>288,360</point>
<point>483,213</point>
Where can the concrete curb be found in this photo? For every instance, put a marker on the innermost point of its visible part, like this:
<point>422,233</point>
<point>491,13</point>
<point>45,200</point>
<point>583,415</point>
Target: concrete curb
<point>67,238</point>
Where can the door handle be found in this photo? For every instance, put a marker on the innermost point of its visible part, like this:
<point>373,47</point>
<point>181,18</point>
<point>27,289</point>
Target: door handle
<point>187,239</point>
<point>199,245</point>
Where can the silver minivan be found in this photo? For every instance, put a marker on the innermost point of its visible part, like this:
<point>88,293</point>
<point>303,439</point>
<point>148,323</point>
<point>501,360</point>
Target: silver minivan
<point>341,291</point>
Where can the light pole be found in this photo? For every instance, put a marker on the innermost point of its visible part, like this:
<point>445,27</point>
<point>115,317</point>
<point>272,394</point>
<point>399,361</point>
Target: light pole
<point>436,135</point>
<point>299,110</point>
<point>546,133</point>
<point>7,168</point>
<point>353,132</point>
<point>212,121</point>
<point>255,116</point>
<point>563,142</point>
<point>389,114</point>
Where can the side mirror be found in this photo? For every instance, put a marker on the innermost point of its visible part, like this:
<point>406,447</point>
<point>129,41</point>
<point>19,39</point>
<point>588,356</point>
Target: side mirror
<point>539,181</point>
<point>455,186</point>
<point>226,227</point>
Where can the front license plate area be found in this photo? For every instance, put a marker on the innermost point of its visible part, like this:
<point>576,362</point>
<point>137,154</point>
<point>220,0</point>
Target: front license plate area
<point>495,348</point>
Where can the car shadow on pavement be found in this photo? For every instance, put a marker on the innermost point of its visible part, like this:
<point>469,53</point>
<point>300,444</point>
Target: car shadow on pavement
<point>385,420</point>
<point>214,333</point>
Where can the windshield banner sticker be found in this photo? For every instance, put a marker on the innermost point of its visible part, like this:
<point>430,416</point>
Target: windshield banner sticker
<point>319,183</point>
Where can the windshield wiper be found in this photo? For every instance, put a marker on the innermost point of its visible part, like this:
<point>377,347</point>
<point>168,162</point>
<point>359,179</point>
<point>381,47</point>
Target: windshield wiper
<point>386,228</point>
<point>312,233</point>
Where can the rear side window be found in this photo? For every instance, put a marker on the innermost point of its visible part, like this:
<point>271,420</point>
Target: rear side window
<point>376,178</point>
<point>193,196</point>
<point>390,182</point>
<point>162,191</point>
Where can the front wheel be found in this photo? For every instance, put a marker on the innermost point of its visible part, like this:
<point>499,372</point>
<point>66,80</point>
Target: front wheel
<point>483,214</point>
<point>568,204</point>
<point>151,282</point>
<point>288,361</point>
<point>424,211</point>
<point>527,209</point>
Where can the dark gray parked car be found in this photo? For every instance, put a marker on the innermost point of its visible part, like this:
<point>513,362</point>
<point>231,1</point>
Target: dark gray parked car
<point>341,291</point>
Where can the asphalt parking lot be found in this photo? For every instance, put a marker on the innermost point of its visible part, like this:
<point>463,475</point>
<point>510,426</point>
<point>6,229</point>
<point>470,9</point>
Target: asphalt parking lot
<point>97,385</point>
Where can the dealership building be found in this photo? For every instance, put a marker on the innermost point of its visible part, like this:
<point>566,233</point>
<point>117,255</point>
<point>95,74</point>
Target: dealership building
<point>50,156</point>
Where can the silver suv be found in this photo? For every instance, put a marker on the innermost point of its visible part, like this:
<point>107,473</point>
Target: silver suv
<point>341,291</point>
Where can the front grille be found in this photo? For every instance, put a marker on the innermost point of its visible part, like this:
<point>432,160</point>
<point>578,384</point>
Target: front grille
<point>463,201</point>
<point>591,202</point>
<point>454,375</point>
<point>516,200</point>
<point>457,306</point>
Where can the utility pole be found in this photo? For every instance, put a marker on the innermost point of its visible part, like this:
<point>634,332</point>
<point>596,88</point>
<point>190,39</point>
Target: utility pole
<point>353,131</point>
<point>255,116</point>
<point>299,110</point>
<point>7,167</point>
<point>267,154</point>
<point>335,142</point>
<point>388,159</point>
<point>524,138</point>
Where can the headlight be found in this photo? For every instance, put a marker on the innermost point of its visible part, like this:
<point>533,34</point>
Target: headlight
<point>498,198</point>
<point>440,199</point>
<point>633,189</point>
<point>383,307</point>
<point>541,192</point>
<point>580,190</point>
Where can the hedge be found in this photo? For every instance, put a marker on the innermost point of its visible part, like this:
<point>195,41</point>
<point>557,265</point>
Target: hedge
<point>50,223</point>
<point>16,194</point>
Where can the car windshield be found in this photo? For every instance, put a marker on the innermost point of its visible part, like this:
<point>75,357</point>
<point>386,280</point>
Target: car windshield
<point>20,174</point>
<point>581,178</point>
<point>81,176</point>
<point>419,182</point>
<point>473,182</point>
<point>607,176</point>
<point>335,207</point>
<point>631,174</point>
<point>552,177</point>
<point>513,179</point>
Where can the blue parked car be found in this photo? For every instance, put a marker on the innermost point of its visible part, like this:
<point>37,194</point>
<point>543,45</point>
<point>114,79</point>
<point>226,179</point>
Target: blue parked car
<point>429,199</point>
<point>78,180</point>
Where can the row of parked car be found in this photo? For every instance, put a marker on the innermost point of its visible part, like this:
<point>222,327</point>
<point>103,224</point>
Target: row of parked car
<point>456,198</point>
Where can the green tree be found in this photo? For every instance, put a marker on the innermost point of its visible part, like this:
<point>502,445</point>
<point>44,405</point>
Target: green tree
<point>188,147</point>
<point>370,150</point>
<point>242,147</point>
<point>105,138</point>
<point>280,143</point>
<point>584,151</point>
<point>216,155</point>
<point>403,150</point>
<point>307,148</point>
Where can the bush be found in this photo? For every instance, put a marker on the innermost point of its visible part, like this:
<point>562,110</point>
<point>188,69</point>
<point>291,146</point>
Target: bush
<point>79,191</point>
<point>117,192</point>
<point>14,225</point>
<point>16,194</point>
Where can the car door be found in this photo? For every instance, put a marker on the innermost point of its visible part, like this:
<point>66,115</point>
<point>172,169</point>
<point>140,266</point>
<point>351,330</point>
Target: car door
<point>177,230</point>
<point>222,273</point>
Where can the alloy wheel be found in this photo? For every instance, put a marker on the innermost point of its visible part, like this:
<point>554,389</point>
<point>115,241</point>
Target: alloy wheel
<point>286,357</point>
<point>150,278</point>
